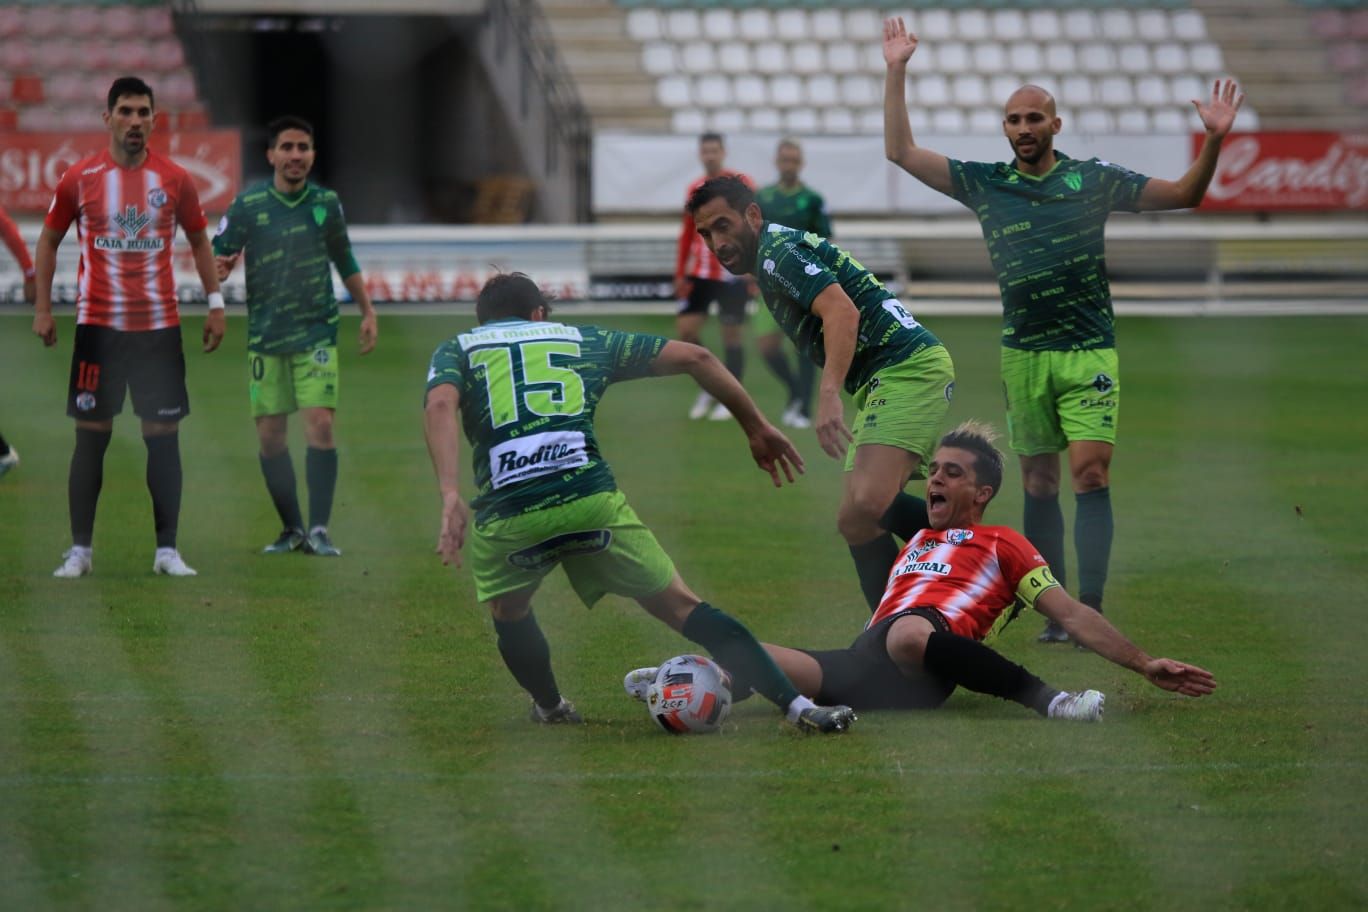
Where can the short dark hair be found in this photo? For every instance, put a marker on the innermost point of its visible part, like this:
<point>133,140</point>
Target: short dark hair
<point>710,136</point>
<point>727,186</point>
<point>128,85</point>
<point>509,294</point>
<point>977,437</point>
<point>287,122</point>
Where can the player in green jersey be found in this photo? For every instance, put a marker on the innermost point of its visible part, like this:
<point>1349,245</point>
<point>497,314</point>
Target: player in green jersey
<point>294,231</point>
<point>844,319</point>
<point>1043,216</point>
<point>524,390</point>
<point>793,203</point>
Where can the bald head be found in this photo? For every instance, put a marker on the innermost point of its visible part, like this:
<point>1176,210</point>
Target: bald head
<point>1030,123</point>
<point>1031,96</point>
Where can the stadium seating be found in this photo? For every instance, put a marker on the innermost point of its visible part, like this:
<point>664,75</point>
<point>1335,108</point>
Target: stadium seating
<point>1121,66</point>
<point>57,60</point>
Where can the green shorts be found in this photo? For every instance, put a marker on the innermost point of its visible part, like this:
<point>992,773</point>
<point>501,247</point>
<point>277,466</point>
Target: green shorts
<point>598,539</point>
<point>1057,397</point>
<point>904,405</point>
<point>282,384</point>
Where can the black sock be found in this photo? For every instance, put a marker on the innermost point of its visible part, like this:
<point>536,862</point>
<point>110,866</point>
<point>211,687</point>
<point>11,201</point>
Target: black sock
<point>528,657</point>
<point>84,481</point>
<point>970,664</point>
<point>1093,540</point>
<point>873,562</point>
<point>802,392</point>
<point>4,446</point>
<point>738,651</point>
<point>778,364</point>
<point>320,472</point>
<point>905,516</point>
<point>280,484</point>
<point>164,482</point>
<point>735,360</point>
<point>1042,522</point>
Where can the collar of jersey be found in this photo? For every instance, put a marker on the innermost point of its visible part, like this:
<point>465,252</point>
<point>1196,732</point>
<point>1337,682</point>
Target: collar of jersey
<point>1060,158</point>
<point>291,202</point>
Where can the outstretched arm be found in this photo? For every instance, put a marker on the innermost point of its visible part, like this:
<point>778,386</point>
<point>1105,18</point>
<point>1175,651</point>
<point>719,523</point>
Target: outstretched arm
<point>1218,116</point>
<point>203,252</point>
<point>444,446</point>
<point>931,168</point>
<point>770,449</point>
<point>1095,632</point>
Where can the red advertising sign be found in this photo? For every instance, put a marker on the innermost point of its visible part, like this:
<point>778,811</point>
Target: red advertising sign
<point>32,163</point>
<point>1265,171</point>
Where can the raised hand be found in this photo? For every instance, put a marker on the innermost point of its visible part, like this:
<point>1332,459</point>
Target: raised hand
<point>1218,115</point>
<point>899,44</point>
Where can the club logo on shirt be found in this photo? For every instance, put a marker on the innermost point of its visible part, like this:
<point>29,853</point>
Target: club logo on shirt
<point>1074,181</point>
<point>812,269</point>
<point>320,214</point>
<point>769,266</point>
<point>131,222</point>
<point>156,197</point>
<point>958,536</point>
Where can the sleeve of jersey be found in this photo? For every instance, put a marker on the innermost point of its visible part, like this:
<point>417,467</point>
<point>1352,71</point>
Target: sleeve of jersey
<point>9,232</point>
<point>65,204</point>
<point>1123,187</point>
<point>799,274</point>
<point>632,353</point>
<point>189,212</point>
<point>964,181</point>
<point>339,243</point>
<point>445,367</point>
<point>1024,568</point>
<point>231,236</point>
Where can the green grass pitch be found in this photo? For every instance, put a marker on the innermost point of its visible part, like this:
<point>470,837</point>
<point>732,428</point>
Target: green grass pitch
<point>292,732</point>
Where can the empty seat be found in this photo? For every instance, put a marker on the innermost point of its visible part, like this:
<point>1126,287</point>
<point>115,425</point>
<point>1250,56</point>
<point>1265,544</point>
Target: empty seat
<point>972,25</point>
<point>84,21</point>
<point>1248,119</point>
<point>644,24</point>
<point>755,25</point>
<point>1206,58</point>
<point>1115,92</point>
<point>1116,24</point>
<point>807,57</point>
<point>658,58</point>
<point>859,91</point>
<point>1153,25</point>
<point>828,25</point>
<point>1169,120</point>
<point>683,25</point>
<point>689,120</point>
<point>968,91</point>
<point>1152,91</point>
<point>932,25</point>
<point>712,91</point>
<point>1008,25</point>
<point>863,25</point>
<point>727,120</point>
<point>155,22</point>
<point>1188,25</point>
<point>1076,89</point>
<point>1186,88</point>
<point>838,120</point>
<point>801,120</point>
<point>792,24</point>
<point>43,22</point>
<point>1043,25</point>
<point>843,57</point>
<point>823,90</point>
<point>1328,24</point>
<point>1026,58</point>
<point>1080,25</point>
<point>674,92</point>
<point>1348,57</point>
<point>719,24</point>
<point>953,57</point>
<point>1001,87</point>
<point>1060,58</point>
<point>698,57</point>
<point>15,57</point>
<point>931,91</point>
<point>919,119</point>
<point>765,120</point>
<point>870,120</point>
<point>771,57</point>
<point>1135,121</point>
<point>750,91</point>
<point>1096,121</point>
<point>1134,58</point>
<point>1170,58</point>
<point>985,121</point>
<point>1096,58</point>
<point>786,91</point>
<point>948,121</point>
<point>990,57</point>
<point>734,57</point>
<point>11,21</point>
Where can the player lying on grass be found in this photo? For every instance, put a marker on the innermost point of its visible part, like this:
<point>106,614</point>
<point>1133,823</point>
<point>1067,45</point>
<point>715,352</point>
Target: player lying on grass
<point>526,390</point>
<point>952,587</point>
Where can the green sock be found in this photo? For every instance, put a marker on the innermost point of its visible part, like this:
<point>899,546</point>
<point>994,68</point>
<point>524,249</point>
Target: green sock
<point>527,655</point>
<point>738,651</point>
<point>873,561</point>
<point>905,516</point>
<point>320,471</point>
<point>1093,539</point>
<point>1042,523</point>
<point>279,473</point>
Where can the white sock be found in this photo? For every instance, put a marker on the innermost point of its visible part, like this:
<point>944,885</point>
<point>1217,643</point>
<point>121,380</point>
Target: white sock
<point>795,709</point>
<point>82,550</point>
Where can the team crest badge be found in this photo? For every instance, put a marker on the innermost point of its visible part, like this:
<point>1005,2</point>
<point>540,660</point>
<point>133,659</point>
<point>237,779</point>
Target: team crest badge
<point>321,356</point>
<point>958,536</point>
<point>1102,383</point>
<point>1074,181</point>
<point>156,197</point>
<point>319,214</point>
<point>85,402</point>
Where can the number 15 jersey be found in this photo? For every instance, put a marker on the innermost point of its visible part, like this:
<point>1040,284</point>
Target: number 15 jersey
<point>528,392</point>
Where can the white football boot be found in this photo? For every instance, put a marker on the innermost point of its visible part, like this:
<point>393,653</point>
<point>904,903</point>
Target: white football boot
<point>169,562</point>
<point>1078,707</point>
<point>638,681</point>
<point>76,561</point>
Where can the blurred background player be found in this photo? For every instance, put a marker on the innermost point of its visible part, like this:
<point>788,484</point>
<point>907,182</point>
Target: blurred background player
<point>843,318</point>
<point>547,497</point>
<point>793,204</point>
<point>9,233</point>
<point>700,281</point>
<point>127,202</point>
<point>293,230</point>
<point>1059,362</point>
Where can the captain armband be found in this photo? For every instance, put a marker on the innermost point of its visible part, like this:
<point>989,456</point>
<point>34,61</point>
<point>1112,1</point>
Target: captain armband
<point>1034,584</point>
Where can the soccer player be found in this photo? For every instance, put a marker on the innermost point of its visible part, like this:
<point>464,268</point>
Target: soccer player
<point>700,280</point>
<point>1043,215</point>
<point>847,322</point>
<point>9,233</point>
<point>293,230</point>
<point>127,202</point>
<point>525,390</point>
<point>951,588</point>
<point>794,204</point>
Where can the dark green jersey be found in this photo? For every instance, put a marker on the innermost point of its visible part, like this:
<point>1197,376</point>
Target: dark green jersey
<point>802,208</point>
<point>290,241</point>
<point>1045,239</point>
<point>528,394</point>
<point>793,267</point>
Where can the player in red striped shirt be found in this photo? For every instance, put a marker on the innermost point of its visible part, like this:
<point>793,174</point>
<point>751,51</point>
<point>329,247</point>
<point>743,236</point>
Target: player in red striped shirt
<point>700,279</point>
<point>952,586</point>
<point>127,202</point>
<point>9,233</point>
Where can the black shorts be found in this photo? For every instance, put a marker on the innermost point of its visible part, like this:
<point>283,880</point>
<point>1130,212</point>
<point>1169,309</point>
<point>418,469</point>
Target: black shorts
<point>731,298</point>
<point>864,677</point>
<point>106,362</point>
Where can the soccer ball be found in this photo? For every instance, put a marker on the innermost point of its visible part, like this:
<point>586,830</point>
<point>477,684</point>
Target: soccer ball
<point>691,695</point>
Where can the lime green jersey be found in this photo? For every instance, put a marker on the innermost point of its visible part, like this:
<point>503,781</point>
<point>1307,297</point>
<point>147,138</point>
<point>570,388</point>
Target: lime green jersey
<point>528,391</point>
<point>793,267</point>
<point>290,242</point>
<point>798,207</point>
<point>1045,240</point>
